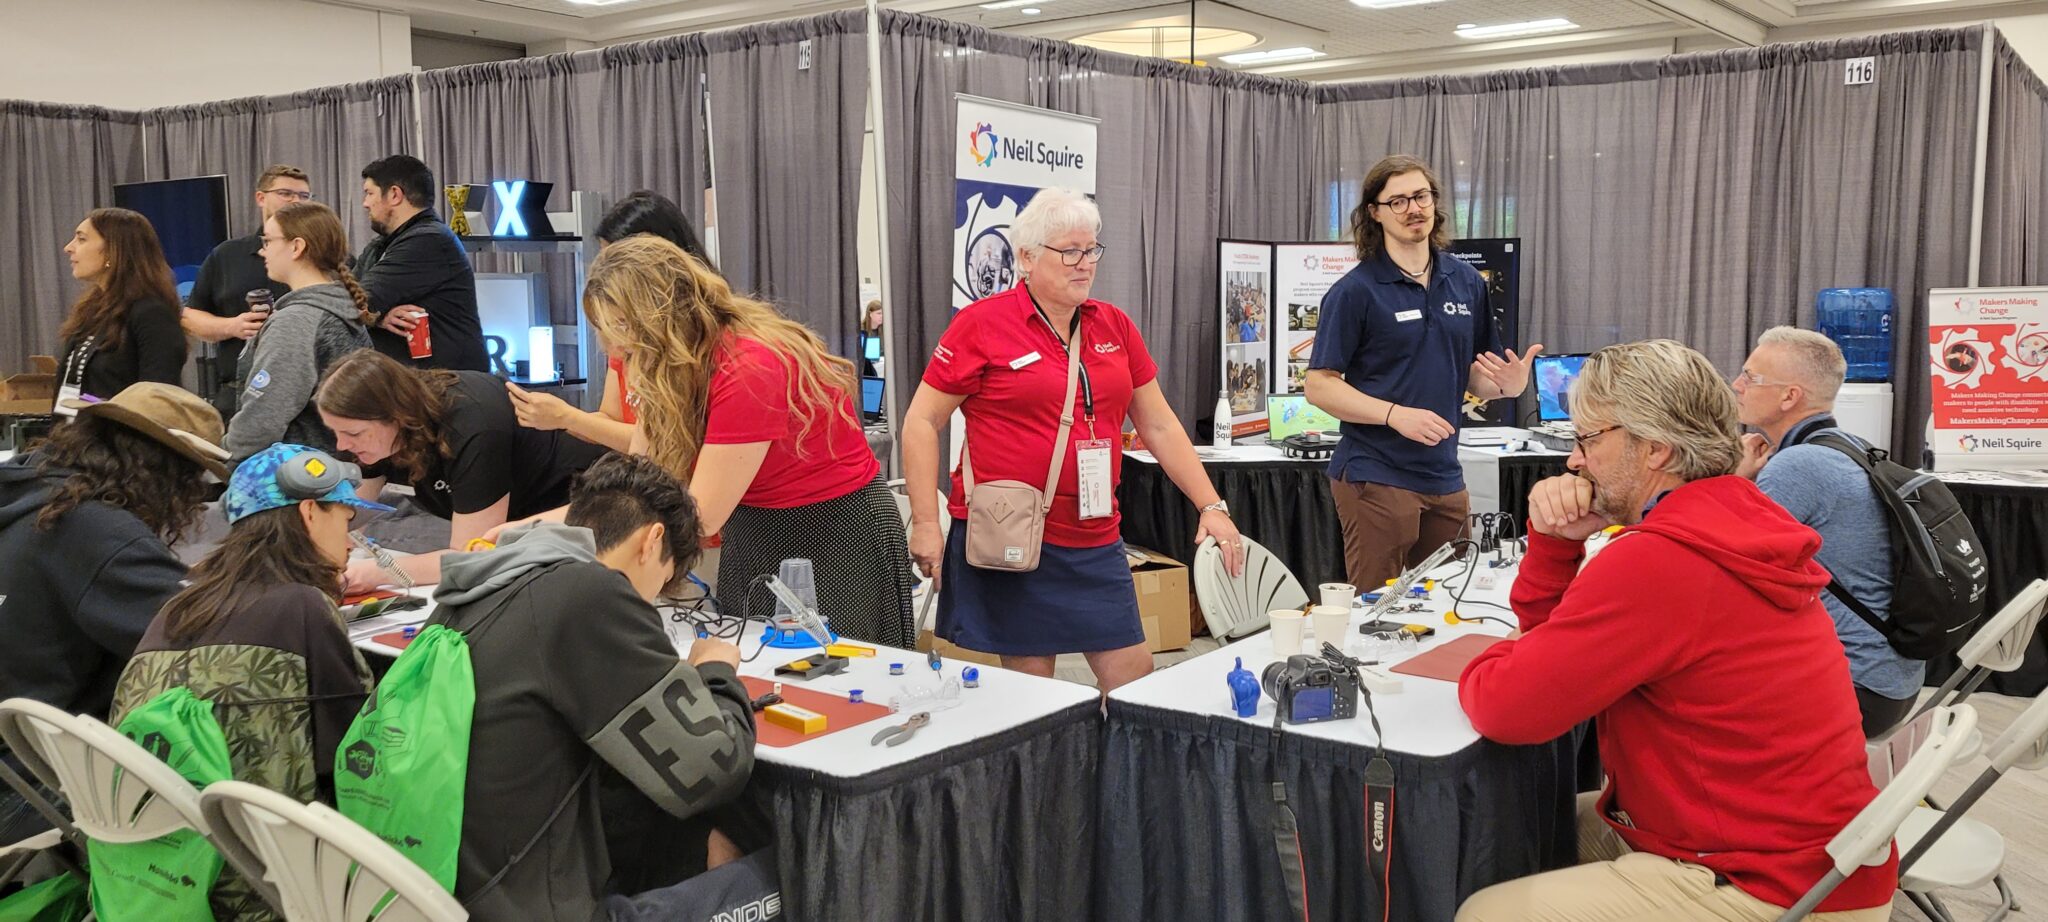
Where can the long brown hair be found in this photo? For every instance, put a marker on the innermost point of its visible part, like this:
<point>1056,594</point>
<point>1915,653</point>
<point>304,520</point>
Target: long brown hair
<point>136,270</point>
<point>371,386</point>
<point>326,246</point>
<point>676,315</point>
<point>1367,234</point>
<point>262,550</point>
<point>107,462</point>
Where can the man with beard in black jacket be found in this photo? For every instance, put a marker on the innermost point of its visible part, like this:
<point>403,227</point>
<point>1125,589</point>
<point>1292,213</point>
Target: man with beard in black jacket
<point>417,265</point>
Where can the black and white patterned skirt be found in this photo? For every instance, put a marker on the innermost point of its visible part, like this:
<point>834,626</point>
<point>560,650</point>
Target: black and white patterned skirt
<point>857,547</point>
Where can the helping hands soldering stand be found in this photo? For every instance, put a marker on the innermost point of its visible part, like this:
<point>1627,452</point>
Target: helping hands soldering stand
<point>806,618</point>
<point>1399,590</point>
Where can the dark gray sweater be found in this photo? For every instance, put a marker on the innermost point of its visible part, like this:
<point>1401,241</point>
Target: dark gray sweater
<point>311,329</point>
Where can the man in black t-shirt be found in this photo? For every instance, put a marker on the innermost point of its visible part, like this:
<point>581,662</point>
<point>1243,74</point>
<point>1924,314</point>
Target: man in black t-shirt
<point>217,310</point>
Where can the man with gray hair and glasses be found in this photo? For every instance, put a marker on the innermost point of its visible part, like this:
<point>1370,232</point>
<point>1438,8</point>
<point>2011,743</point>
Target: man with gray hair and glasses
<point>1787,390</point>
<point>1728,728</point>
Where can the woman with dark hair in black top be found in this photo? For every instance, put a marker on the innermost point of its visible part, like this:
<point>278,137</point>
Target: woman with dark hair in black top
<point>124,328</point>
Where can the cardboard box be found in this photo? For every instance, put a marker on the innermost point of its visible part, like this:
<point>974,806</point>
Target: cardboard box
<point>1162,584</point>
<point>30,393</point>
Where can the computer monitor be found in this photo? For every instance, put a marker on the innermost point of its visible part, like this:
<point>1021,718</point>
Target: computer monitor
<point>871,397</point>
<point>1554,377</point>
<point>871,347</point>
<point>1292,414</point>
<point>190,217</point>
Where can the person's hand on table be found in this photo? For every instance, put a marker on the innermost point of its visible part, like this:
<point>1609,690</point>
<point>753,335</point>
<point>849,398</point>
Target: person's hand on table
<point>1419,425</point>
<point>1562,507</point>
<point>363,575</point>
<point>713,650</point>
<point>1217,524</point>
<point>1756,452</point>
<point>401,319</point>
<point>541,411</point>
<point>927,547</point>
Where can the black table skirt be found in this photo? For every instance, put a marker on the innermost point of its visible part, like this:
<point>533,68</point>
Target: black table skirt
<point>1187,806</point>
<point>998,829</point>
<point>2012,525</point>
<point>1283,505</point>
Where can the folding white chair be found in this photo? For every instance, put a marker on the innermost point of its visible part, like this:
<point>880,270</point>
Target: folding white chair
<point>1867,840</point>
<point>16,857</point>
<point>1999,646</point>
<point>1235,608</point>
<point>1945,850</point>
<point>117,791</point>
<point>314,865</point>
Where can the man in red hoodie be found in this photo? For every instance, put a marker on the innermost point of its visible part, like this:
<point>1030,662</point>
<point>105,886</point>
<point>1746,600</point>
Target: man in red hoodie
<point>1727,718</point>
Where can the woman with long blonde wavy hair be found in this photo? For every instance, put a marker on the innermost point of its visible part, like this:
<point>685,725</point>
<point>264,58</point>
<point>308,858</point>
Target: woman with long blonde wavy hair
<point>752,409</point>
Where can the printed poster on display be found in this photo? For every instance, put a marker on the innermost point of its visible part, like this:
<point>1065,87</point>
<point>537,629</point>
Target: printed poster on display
<point>1302,274</point>
<point>1246,293</point>
<point>1987,351</point>
<point>1499,261</point>
<point>1006,154</point>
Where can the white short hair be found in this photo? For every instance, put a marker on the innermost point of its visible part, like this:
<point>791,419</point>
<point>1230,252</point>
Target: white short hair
<point>1053,212</point>
<point>1814,362</point>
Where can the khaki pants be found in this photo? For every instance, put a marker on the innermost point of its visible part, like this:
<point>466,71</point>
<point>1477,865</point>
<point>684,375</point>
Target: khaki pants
<point>1614,884</point>
<point>1388,529</point>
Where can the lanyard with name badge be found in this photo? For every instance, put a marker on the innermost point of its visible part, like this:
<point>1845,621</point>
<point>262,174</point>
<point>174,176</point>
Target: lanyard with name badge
<point>71,385</point>
<point>1095,493</point>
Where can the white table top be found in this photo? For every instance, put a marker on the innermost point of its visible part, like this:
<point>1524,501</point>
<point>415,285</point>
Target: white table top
<point>1422,719</point>
<point>1004,700</point>
<point>1255,453</point>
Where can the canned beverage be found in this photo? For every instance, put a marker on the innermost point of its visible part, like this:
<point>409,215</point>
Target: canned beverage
<point>421,339</point>
<point>259,300</point>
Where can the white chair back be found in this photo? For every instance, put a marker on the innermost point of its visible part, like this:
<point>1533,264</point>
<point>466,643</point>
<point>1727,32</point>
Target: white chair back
<point>2001,644</point>
<point>1237,607</point>
<point>2024,744</point>
<point>118,792</point>
<point>316,865</point>
<point>1867,840</point>
<point>1890,753</point>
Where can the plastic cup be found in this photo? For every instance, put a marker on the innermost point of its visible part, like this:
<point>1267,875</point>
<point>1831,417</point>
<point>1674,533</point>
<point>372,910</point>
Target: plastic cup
<point>1342,594</point>
<point>1331,623</point>
<point>1288,624</point>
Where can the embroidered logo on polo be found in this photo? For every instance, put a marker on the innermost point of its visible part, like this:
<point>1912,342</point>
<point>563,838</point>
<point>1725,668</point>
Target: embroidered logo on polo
<point>1106,348</point>
<point>1456,309</point>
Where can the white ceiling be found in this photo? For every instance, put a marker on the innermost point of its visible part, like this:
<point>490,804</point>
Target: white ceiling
<point>1356,41</point>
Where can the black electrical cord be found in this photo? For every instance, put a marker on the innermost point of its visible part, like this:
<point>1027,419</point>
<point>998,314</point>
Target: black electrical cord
<point>1471,568</point>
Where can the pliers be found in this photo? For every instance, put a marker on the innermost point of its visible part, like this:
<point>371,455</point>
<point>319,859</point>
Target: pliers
<point>901,733</point>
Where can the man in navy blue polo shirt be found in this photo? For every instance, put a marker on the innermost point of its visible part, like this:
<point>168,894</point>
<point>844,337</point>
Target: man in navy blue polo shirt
<point>1401,338</point>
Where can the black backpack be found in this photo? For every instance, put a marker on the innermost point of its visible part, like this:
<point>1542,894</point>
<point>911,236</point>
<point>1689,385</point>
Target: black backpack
<point>1938,571</point>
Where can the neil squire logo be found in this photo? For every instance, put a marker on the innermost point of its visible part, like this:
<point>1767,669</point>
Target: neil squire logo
<point>1456,309</point>
<point>981,143</point>
<point>984,146</point>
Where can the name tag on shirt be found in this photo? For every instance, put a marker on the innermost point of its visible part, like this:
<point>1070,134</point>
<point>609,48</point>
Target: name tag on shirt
<point>1026,360</point>
<point>67,392</point>
<point>1091,472</point>
<point>1405,316</point>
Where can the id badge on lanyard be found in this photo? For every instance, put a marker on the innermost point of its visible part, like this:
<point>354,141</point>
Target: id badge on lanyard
<point>71,386</point>
<point>1092,475</point>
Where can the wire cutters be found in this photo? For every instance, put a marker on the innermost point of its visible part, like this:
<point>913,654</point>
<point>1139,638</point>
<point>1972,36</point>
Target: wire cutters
<point>901,733</point>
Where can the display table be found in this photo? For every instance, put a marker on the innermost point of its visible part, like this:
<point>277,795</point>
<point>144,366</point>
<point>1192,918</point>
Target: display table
<point>1188,807</point>
<point>1285,504</point>
<point>987,814</point>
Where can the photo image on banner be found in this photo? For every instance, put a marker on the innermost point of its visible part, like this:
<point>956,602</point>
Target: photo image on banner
<point>1244,376</point>
<point>1303,273</point>
<point>1005,154</point>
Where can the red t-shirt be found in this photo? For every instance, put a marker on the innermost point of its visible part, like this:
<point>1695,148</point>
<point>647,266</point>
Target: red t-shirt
<point>626,396</point>
<point>1013,412</point>
<point>751,402</point>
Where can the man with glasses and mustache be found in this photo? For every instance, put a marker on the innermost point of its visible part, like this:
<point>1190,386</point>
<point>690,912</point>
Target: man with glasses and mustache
<point>217,310</point>
<point>1402,337</point>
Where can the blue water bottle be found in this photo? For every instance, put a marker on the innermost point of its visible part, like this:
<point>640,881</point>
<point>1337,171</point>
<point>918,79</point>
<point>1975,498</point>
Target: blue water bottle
<point>1860,321</point>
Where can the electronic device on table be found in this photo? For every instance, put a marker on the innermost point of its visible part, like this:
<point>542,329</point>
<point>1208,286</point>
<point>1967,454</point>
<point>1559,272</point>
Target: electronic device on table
<point>1309,689</point>
<point>1401,584</point>
<point>1554,377</point>
<point>871,397</point>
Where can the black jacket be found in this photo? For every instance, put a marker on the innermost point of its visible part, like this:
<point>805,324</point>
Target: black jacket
<point>74,600</point>
<point>423,263</point>
<point>152,349</point>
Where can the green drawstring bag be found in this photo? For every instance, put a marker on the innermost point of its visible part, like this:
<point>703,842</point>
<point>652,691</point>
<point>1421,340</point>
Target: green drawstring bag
<point>60,899</point>
<point>167,879</point>
<point>402,765</point>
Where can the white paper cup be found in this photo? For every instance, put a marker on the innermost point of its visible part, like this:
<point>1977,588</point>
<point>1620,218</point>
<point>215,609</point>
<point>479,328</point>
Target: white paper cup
<point>1331,623</point>
<point>1340,594</point>
<point>1287,629</point>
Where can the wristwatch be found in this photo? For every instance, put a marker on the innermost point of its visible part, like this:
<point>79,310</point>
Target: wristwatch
<point>1218,506</point>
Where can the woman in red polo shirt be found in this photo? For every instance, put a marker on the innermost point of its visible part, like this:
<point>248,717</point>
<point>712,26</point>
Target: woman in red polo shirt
<point>1003,363</point>
<point>759,416</point>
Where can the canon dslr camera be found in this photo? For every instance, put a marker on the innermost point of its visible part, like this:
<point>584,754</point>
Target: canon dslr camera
<point>1312,688</point>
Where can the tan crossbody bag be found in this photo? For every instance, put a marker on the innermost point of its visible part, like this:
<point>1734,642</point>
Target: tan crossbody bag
<point>1006,518</point>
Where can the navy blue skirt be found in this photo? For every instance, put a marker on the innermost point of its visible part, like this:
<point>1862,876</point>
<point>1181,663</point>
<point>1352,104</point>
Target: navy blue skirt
<point>1079,600</point>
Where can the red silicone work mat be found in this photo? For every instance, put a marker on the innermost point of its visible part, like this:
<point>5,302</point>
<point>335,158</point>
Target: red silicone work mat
<point>396,640</point>
<point>840,714</point>
<point>1448,661</point>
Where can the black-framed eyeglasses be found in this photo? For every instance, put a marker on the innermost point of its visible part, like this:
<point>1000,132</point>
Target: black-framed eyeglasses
<point>1400,204</point>
<point>293,194</point>
<point>268,240</point>
<point>1073,257</point>
<point>1586,441</point>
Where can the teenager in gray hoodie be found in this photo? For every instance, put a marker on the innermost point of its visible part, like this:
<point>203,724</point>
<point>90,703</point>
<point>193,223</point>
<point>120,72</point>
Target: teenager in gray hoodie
<point>322,319</point>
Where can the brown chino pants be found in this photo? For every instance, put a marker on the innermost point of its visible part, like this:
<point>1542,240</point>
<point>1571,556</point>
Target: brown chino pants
<point>1388,529</point>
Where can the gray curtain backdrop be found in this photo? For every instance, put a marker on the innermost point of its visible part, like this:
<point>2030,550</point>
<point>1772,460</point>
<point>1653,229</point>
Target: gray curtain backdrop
<point>1702,197</point>
<point>786,148</point>
<point>654,90</point>
<point>56,164</point>
<point>331,133</point>
<point>2016,187</point>
<point>1186,155</point>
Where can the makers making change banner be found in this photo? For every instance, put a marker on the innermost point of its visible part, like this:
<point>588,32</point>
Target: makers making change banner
<point>1988,355</point>
<point>1006,153</point>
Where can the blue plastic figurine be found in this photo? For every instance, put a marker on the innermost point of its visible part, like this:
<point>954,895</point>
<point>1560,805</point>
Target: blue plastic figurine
<point>1244,690</point>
